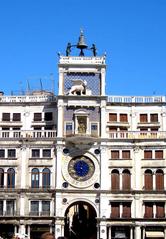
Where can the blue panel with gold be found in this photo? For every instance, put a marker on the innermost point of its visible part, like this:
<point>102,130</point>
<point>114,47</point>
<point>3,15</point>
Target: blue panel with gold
<point>93,82</point>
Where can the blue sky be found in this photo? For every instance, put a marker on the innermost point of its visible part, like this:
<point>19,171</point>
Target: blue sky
<point>131,32</point>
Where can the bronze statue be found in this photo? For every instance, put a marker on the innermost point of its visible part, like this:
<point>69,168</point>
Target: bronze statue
<point>68,49</point>
<point>94,49</point>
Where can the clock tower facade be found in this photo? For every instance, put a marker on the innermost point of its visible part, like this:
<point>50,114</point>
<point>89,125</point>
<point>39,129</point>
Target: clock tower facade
<point>80,149</point>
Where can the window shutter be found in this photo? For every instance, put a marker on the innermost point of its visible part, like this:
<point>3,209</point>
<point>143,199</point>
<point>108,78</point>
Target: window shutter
<point>159,154</point>
<point>149,210</point>
<point>148,154</point>
<point>126,210</point>
<point>113,117</point>
<point>160,210</point>
<point>115,212</point>
<point>148,180</point>
<point>126,180</point>
<point>123,118</point>
<point>153,117</point>
<point>115,180</point>
<point>126,154</point>
<point>115,154</point>
<point>159,180</point>
<point>143,118</point>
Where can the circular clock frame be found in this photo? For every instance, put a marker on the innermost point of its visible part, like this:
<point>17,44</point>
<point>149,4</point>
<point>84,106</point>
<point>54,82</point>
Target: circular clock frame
<point>80,171</point>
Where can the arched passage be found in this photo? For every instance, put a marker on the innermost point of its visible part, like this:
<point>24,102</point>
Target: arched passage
<point>80,221</point>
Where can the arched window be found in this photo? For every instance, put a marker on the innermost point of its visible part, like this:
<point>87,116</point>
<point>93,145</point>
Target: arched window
<point>159,180</point>
<point>126,180</point>
<point>46,178</point>
<point>148,180</point>
<point>35,178</point>
<point>10,178</point>
<point>1,178</point>
<point>115,179</point>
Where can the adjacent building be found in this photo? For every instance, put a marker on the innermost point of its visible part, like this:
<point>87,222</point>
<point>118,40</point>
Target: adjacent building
<point>83,164</point>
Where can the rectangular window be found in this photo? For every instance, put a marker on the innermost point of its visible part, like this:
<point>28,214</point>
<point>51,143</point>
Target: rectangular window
<point>46,153</point>
<point>126,210</point>
<point>160,210</point>
<point>125,154</point>
<point>149,210</point>
<point>112,117</point>
<point>46,207</point>
<point>123,118</point>
<point>159,154</point>
<point>115,212</point>
<point>94,129</point>
<point>35,153</point>
<point>148,154</point>
<point>5,116</point>
<point>154,118</point>
<point>2,153</point>
<point>16,117</point>
<point>115,154</point>
<point>10,207</point>
<point>143,118</point>
<point>35,208</point>
<point>37,117</point>
<point>69,128</point>
<point>48,116</point>
<point>11,153</point>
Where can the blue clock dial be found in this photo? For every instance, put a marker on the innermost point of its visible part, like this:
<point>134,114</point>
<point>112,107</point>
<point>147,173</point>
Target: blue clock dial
<point>81,168</point>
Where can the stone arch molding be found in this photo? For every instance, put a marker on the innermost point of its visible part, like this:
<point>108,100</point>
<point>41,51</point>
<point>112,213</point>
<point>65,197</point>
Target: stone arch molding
<point>73,181</point>
<point>77,200</point>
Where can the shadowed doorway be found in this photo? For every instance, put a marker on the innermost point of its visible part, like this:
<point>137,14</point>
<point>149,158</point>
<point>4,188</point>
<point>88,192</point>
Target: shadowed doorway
<point>80,221</point>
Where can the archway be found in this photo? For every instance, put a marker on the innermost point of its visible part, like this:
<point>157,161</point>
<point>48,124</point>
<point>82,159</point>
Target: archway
<point>80,221</point>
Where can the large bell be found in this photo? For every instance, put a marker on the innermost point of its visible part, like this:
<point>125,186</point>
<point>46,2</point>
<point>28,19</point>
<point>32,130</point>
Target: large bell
<point>81,43</point>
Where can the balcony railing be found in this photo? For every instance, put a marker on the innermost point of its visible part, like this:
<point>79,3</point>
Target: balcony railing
<point>136,99</point>
<point>27,98</point>
<point>17,134</point>
<point>137,134</point>
<point>39,214</point>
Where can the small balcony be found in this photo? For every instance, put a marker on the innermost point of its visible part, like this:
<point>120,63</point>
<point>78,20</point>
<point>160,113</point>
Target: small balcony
<point>40,214</point>
<point>137,135</point>
<point>27,134</point>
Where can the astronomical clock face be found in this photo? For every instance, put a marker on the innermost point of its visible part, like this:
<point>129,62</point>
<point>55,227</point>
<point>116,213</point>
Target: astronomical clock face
<point>80,171</point>
<point>81,168</point>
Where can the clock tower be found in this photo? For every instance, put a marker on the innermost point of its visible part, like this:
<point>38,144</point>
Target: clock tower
<point>81,108</point>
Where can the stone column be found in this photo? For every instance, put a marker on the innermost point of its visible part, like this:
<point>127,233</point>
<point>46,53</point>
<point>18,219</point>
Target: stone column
<point>21,229</point>
<point>5,178</point>
<point>103,81</point>
<point>104,169</point>
<point>59,156</point>
<point>4,207</point>
<point>103,119</point>
<point>40,178</point>
<point>137,232</point>
<point>23,171</point>
<point>60,119</point>
<point>103,230</point>
<point>154,181</point>
<point>59,228</point>
<point>60,82</point>
<point>22,205</point>
<point>29,231</point>
<point>165,233</point>
<point>131,232</point>
<point>137,168</point>
<point>109,232</point>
